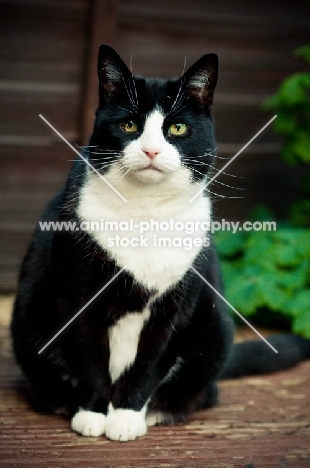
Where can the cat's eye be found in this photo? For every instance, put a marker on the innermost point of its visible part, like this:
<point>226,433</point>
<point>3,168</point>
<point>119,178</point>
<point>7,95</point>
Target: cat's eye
<point>129,126</point>
<point>178,129</point>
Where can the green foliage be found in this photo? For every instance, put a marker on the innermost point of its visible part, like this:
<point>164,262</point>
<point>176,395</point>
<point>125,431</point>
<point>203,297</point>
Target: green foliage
<point>268,271</point>
<point>292,104</point>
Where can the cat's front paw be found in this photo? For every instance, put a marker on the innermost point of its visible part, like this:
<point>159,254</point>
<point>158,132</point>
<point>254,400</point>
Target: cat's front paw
<point>88,423</point>
<point>125,424</point>
<point>155,417</point>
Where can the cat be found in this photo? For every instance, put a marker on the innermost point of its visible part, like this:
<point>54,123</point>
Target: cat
<point>151,346</point>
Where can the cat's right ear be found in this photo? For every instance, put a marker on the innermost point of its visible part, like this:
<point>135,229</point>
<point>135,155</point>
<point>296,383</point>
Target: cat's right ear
<point>201,79</point>
<point>112,73</point>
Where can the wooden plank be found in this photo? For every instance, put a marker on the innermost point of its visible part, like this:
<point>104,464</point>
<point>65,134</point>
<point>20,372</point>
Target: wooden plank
<point>259,421</point>
<point>41,65</point>
<point>102,30</point>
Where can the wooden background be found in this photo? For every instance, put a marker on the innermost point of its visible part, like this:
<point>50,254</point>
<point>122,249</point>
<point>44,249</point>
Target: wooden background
<point>48,66</point>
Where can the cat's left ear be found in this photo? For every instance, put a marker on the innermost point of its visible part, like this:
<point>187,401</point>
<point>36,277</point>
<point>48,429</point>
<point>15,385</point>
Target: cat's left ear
<point>112,73</point>
<point>201,79</point>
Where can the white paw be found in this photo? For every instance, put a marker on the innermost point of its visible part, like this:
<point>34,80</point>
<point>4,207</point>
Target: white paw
<point>88,423</point>
<point>125,424</point>
<point>154,417</point>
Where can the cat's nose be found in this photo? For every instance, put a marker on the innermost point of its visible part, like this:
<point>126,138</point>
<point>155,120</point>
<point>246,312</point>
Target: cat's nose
<point>151,153</point>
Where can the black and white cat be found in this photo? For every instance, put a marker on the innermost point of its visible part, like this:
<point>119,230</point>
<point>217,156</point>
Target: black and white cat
<point>151,346</point>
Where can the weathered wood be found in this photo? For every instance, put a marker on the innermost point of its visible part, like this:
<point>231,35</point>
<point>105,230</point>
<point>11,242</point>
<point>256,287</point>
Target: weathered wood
<point>102,30</point>
<point>41,62</point>
<point>259,421</point>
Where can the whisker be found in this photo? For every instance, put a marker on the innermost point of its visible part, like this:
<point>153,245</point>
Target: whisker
<point>221,196</point>
<point>127,110</point>
<point>177,105</point>
<point>129,94</point>
<point>226,185</point>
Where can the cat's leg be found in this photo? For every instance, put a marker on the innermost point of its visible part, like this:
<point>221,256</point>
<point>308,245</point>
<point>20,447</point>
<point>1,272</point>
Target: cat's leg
<point>133,387</point>
<point>175,400</point>
<point>190,383</point>
<point>90,418</point>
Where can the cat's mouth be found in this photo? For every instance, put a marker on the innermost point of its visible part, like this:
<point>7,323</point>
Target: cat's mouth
<point>150,167</point>
<point>149,174</point>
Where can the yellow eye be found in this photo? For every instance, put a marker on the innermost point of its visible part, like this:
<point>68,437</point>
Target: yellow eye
<point>129,127</point>
<point>178,129</point>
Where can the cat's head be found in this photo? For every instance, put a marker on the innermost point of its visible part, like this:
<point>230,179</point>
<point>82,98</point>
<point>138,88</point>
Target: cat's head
<point>151,129</point>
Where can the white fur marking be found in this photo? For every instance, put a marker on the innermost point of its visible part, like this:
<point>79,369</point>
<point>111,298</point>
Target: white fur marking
<point>125,424</point>
<point>151,266</point>
<point>160,195</point>
<point>88,423</point>
<point>123,340</point>
<point>151,140</point>
<point>155,417</point>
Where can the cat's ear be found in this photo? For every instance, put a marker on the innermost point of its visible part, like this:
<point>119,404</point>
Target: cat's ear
<point>112,73</point>
<point>201,79</point>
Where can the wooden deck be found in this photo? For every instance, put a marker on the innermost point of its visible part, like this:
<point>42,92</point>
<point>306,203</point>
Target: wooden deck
<point>260,422</point>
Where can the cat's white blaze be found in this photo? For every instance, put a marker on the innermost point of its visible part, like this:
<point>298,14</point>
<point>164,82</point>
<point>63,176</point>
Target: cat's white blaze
<point>151,140</point>
<point>123,341</point>
<point>152,137</point>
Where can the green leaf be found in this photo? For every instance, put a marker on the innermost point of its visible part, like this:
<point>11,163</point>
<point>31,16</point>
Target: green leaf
<point>243,295</point>
<point>286,122</point>
<point>286,250</point>
<point>259,248</point>
<point>292,91</point>
<point>271,103</point>
<point>294,279</point>
<point>303,52</point>
<point>228,243</point>
<point>300,309</point>
<point>300,212</point>
<point>300,303</point>
<point>302,325</point>
<point>273,296</point>
<point>261,213</point>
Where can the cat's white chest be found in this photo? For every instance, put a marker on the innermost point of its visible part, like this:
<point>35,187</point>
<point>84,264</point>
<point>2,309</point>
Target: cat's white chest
<point>157,258</point>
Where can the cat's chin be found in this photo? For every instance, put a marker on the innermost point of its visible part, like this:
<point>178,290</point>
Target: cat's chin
<point>149,175</point>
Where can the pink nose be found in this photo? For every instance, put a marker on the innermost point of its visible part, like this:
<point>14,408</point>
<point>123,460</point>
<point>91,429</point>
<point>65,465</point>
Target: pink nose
<point>151,153</point>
